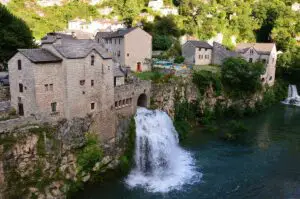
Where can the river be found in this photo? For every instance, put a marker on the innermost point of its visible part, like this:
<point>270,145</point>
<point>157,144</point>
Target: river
<point>266,166</point>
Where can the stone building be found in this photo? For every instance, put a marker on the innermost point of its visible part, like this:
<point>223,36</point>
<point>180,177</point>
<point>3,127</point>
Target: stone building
<point>67,78</point>
<point>264,52</point>
<point>197,52</point>
<point>130,47</point>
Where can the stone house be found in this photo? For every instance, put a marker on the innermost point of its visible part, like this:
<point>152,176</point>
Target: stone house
<point>264,52</point>
<point>156,4</point>
<point>168,11</point>
<point>130,47</point>
<point>197,52</point>
<point>95,25</point>
<point>67,78</point>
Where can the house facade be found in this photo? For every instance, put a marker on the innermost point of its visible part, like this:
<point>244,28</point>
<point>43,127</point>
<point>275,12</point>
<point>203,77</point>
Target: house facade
<point>130,47</point>
<point>197,52</point>
<point>263,52</point>
<point>67,78</point>
<point>95,25</point>
<point>156,4</point>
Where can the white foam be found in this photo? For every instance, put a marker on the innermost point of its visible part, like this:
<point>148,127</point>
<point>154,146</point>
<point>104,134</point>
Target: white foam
<point>161,164</point>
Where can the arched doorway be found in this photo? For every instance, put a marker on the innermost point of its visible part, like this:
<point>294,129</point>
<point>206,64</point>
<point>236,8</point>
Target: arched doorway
<point>142,100</point>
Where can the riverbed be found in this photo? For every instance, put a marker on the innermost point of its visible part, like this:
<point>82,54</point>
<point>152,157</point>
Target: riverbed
<point>266,165</point>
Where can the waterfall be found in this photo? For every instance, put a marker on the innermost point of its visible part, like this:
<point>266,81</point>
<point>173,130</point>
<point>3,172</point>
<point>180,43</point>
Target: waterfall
<point>161,164</point>
<point>293,97</point>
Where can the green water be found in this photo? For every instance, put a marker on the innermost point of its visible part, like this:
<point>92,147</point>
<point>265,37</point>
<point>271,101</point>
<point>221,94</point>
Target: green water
<point>266,166</point>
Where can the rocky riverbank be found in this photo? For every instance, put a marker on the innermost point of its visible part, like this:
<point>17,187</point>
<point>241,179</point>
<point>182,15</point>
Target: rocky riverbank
<point>52,160</point>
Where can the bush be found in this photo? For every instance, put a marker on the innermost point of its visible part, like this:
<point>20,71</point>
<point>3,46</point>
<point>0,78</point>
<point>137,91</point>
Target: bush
<point>236,130</point>
<point>179,59</point>
<point>241,78</point>
<point>161,42</point>
<point>203,79</point>
<point>90,154</point>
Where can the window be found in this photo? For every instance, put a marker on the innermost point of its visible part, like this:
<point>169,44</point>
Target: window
<point>92,60</point>
<point>200,56</point>
<point>119,41</point>
<point>98,40</point>
<point>82,82</point>
<point>51,87</point>
<point>19,65</point>
<point>127,54</point>
<point>102,68</point>
<point>264,61</point>
<point>116,104</point>
<point>53,107</point>
<point>92,82</point>
<point>250,60</point>
<point>21,88</point>
<point>206,56</point>
<point>108,67</point>
<point>251,51</point>
<point>119,53</point>
<point>46,87</point>
<point>270,78</point>
<point>92,106</point>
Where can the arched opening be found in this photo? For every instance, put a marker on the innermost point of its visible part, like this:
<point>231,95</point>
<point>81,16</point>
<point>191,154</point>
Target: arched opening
<point>142,100</point>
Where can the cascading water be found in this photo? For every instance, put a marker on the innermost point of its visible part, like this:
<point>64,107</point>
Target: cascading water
<point>293,97</point>
<point>161,165</point>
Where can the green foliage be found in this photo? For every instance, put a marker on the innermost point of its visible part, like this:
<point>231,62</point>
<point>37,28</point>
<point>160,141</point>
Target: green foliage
<point>235,131</point>
<point>90,154</point>
<point>185,114</point>
<point>14,34</point>
<point>205,79</point>
<point>241,78</point>
<point>179,59</point>
<point>126,161</point>
<point>161,42</point>
<point>42,20</point>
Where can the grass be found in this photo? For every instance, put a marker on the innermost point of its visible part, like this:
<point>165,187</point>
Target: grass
<point>214,69</point>
<point>148,75</point>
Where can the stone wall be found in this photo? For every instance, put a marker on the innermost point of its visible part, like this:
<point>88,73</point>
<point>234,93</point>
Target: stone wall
<point>4,93</point>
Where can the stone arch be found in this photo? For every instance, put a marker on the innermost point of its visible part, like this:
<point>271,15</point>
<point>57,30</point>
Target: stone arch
<point>142,100</point>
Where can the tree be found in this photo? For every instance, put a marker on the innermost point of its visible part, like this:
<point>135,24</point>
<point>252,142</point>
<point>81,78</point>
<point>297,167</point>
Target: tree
<point>241,78</point>
<point>14,34</point>
<point>161,42</point>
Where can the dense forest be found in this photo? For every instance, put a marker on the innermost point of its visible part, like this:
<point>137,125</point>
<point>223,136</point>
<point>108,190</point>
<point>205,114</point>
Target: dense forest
<point>244,20</point>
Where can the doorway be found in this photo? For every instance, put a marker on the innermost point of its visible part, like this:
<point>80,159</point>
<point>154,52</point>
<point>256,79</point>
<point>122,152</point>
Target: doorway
<point>21,109</point>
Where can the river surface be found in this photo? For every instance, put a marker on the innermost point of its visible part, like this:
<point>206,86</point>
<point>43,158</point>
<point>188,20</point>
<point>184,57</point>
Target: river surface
<point>266,166</point>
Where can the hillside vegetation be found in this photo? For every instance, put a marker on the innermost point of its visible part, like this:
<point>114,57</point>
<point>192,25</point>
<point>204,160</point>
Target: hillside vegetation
<point>248,20</point>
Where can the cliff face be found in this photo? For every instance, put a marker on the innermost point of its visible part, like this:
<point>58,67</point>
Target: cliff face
<point>46,161</point>
<point>164,96</point>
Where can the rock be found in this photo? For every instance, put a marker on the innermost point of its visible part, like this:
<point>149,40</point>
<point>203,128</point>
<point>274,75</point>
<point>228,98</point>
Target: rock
<point>97,166</point>
<point>86,178</point>
<point>105,160</point>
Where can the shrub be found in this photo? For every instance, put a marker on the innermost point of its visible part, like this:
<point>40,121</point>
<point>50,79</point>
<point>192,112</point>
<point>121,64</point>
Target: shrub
<point>90,154</point>
<point>236,130</point>
<point>241,78</point>
<point>203,79</point>
<point>179,59</point>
